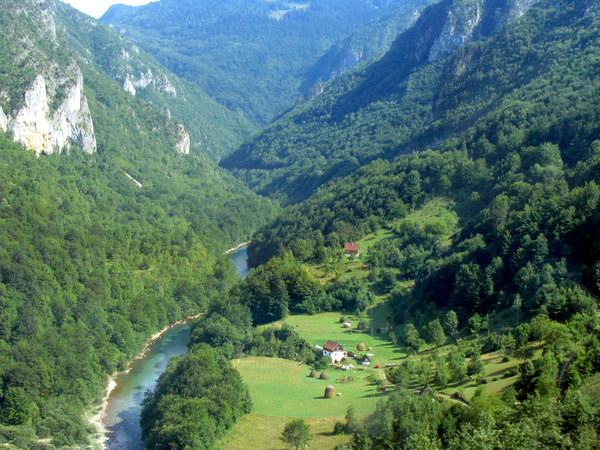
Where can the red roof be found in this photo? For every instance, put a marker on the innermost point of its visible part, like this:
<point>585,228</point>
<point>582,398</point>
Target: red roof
<point>351,247</point>
<point>332,346</point>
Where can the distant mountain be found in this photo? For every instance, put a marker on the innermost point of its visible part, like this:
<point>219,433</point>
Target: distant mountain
<point>378,111</point>
<point>257,57</point>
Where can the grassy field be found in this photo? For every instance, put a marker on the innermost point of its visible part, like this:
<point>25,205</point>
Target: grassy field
<point>320,328</point>
<point>258,431</point>
<point>283,388</point>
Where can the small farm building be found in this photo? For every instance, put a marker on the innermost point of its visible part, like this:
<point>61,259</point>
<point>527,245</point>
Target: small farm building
<point>334,350</point>
<point>351,249</point>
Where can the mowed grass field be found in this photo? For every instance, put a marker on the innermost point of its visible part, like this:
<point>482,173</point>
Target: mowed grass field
<point>283,388</point>
<point>258,431</point>
<point>320,328</point>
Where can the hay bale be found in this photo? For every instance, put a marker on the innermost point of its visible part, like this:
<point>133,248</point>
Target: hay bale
<point>313,374</point>
<point>361,347</point>
<point>324,376</point>
<point>329,392</point>
<point>347,325</point>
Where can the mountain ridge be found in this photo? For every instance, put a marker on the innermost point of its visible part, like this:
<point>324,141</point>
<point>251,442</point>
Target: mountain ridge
<point>263,59</point>
<point>368,113</point>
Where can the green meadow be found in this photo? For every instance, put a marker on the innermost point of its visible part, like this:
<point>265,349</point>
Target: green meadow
<point>283,388</point>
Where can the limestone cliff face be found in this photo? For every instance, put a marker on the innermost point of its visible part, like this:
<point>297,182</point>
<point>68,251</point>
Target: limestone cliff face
<point>135,74</point>
<point>183,143</point>
<point>458,28</point>
<point>45,131</point>
<point>142,80</point>
<point>459,22</point>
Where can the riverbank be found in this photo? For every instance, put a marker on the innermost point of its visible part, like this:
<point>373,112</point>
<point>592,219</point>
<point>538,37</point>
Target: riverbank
<point>97,420</point>
<point>233,249</point>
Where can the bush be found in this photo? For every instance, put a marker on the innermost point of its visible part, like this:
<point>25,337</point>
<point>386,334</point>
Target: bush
<point>511,372</point>
<point>339,428</point>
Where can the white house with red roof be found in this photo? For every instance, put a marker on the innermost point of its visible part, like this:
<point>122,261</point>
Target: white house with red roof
<point>334,350</point>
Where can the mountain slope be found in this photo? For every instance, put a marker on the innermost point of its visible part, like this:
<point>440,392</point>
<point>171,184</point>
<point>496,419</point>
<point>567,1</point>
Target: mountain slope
<point>496,229</point>
<point>523,169</point>
<point>100,247</point>
<point>213,129</point>
<point>369,113</point>
<point>250,56</point>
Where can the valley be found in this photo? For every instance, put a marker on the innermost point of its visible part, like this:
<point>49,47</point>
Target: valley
<point>416,184</point>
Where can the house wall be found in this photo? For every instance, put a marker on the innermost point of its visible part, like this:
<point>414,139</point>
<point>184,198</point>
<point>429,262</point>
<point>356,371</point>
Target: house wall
<point>335,356</point>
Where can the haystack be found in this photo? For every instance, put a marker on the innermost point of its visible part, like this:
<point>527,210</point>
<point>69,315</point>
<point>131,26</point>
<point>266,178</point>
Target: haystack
<point>329,392</point>
<point>324,376</point>
<point>361,347</point>
<point>347,325</point>
<point>313,374</point>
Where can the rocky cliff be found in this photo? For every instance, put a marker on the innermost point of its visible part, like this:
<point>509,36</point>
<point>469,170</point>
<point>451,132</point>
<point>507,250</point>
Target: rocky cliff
<point>468,20</point>
<point>42,130</point>
<point>42,104</point>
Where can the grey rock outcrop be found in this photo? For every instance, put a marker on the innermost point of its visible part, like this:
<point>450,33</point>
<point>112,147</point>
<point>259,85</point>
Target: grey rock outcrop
<point>183,143</point>
<point>45,131</point>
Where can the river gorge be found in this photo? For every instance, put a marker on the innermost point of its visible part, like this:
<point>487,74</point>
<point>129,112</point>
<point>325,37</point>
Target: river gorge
<point>122,416</point>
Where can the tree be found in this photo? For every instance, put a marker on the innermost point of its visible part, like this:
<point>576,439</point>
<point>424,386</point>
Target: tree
<point>411,337</point>
<point>296,434</point>
<point>442,373</point>
<point>517,303</point>
<point>456,364</point>
<point>475,366</point>
<point>451,323</point>
<point>353,425</point>
<point>436,333</point>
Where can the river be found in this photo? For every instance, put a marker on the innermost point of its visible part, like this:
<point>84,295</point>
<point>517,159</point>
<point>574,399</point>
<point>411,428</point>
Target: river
<point>122,418</point>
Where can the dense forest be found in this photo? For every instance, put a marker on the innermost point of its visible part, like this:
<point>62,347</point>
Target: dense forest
<point>421,92</point>
<point>256,57</point>
<point>91,266</point>
<point>93,262</point>
<point>470,166</point>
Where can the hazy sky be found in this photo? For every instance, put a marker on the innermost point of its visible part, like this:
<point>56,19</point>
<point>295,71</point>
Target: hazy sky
<point>96,8</point>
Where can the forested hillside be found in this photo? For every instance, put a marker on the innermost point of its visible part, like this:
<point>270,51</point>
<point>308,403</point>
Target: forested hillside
<point>213,129</point>
<point>510,256</point>
<point>99,249</point>
<point>381,111</point>
<point>539,142</point>
<point>256,57</point>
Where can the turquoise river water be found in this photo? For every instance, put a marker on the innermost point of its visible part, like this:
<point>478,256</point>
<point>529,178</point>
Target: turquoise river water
<point>124,405</point>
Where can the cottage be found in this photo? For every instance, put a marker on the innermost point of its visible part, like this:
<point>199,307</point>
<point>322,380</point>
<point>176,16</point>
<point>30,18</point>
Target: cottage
<point>334,350</point>
<point>365,361</point>
<point>351,249</point>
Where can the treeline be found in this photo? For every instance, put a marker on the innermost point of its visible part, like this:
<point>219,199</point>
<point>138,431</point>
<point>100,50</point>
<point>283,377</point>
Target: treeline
<point>196,400</point>
<point>407,420</point>
<point>283,285</point>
